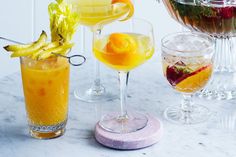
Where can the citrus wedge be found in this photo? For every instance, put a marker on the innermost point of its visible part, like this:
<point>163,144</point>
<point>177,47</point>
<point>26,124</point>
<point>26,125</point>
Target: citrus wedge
<point>131,6</point>
<point>196,80</point>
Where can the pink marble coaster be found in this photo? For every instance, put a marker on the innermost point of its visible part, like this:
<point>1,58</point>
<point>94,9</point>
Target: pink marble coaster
<point>145,137</point>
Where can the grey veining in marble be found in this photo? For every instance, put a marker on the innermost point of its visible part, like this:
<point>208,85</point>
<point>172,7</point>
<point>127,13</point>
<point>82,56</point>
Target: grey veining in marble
<point>148,92</point>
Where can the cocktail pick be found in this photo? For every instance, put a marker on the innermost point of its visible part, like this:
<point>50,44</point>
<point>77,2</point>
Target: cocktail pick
<point>74,59</point>
<point>13,41</point>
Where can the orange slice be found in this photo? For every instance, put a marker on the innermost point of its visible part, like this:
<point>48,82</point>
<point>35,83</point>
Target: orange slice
<point>120,49</point>
<point>121,43</point>
<point>131,6</point>
<point>196,81</point>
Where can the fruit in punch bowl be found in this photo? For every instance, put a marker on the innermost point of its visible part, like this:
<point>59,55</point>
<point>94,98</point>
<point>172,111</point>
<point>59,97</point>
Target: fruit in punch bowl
<point>216,18</point>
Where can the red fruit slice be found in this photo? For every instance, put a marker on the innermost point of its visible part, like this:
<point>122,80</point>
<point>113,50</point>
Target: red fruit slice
<point>177,72</point>
<point>226,12</point>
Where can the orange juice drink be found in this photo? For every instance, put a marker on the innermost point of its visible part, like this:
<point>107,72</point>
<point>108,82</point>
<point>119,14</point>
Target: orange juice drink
<point>46,90</point>
<point>123,52</point>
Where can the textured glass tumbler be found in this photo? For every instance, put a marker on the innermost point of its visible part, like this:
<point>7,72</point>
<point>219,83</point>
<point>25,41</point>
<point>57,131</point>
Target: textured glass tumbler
<point>187,60</point>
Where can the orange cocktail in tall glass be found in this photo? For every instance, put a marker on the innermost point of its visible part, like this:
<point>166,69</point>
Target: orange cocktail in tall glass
<point>45,73</point>
<point>46,90</point>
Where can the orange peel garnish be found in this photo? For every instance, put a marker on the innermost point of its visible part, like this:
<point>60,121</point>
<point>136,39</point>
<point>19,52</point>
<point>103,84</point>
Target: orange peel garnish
<point>121,43</point>
<point>131,6</point>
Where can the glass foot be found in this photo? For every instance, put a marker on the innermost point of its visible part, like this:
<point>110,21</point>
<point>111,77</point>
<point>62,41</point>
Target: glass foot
<point>112,122</point>
<point>51,135</point>
<point>94,95</point>
<point>221,87</point>
<point>176,115</point>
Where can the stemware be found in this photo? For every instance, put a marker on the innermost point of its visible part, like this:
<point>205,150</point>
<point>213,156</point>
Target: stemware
<point>187,60</point>
<point>95,14</point>
<point>215,18</point>
<point>123,48</point>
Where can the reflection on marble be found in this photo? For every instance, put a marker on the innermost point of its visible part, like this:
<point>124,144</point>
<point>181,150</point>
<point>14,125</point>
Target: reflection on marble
<point>148,92</point>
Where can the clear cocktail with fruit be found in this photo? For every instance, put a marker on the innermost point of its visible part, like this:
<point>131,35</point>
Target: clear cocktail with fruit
<point>216,18</point>
<point>187,65</point>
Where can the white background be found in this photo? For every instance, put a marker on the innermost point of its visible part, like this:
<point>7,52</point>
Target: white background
<point>16,22</point>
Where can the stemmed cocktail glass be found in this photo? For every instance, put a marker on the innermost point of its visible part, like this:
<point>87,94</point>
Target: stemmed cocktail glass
<point>216,18</point>
<point>187,60</point>
<point>123,48</point>
<point>95,14</point>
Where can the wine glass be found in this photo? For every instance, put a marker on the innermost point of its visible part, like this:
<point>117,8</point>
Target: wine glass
<point>123,48</point>
<point>187,60</point>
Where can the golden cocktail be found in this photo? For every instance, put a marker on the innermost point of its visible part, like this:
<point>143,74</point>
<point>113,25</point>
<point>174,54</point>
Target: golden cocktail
<point>111,50</point>
<point>95,14</point>
<point>46,90</point>
<point>45,73</point>
<point>124,49</point>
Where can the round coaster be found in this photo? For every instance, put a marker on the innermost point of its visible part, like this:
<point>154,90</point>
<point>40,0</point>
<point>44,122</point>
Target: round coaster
<point>145,137</point>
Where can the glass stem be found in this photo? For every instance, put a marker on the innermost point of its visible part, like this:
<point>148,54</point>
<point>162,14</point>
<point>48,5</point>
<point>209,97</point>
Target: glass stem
<point>33,18</point>
<point>224,55</point>
<point>187,107</point>
<point>123,79</point>
<point>97,81</point>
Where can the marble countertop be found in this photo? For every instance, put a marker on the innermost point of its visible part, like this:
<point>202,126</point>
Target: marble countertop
<point>148,92</point>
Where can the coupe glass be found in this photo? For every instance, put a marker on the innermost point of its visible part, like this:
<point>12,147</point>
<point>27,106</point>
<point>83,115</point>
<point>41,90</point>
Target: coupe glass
<point>123,48</point>
<point>216,18</point>
<point>187,60</point>
<point>95,14</point>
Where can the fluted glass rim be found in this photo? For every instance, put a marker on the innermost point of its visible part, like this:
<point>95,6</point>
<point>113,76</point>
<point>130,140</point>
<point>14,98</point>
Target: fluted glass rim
<point>201,52</point>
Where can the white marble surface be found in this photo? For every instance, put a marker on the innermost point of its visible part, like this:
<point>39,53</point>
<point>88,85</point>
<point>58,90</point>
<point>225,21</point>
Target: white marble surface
<point>149,92</point>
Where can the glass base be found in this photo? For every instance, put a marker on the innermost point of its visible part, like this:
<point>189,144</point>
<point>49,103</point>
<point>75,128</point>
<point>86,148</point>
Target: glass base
<point>113,122</point>
<point>47,132</point>
<point>94,95</point>
<point>40,135</point>
<point>221,87</point>
<point>176,115</point>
